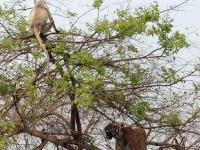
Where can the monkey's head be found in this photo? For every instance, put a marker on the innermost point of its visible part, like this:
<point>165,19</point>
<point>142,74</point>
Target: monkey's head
<point>113,130</point>
<point>41,2</point>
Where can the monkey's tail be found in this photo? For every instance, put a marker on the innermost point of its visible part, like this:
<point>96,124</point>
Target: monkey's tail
<point>35,30</point>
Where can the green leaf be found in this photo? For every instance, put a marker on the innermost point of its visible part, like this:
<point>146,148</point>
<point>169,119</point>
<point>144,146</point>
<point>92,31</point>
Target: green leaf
<point>84,97</point>
<point>59,49</point>
<point>22,24</point>
<point>61,86</point>
<point>97,3</point>
<point>174,119</point>
<point>5,86</point>
<point>102,26</point>
<point>168,74</point>
<point>8,44</point>
<point>141,109</point>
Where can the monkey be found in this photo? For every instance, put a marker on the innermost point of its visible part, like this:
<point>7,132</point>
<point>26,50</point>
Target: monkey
<point>38,23</point>
<point>127,138</point>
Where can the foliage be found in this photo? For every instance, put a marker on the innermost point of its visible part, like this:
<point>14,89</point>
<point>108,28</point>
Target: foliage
<point>97,3</point>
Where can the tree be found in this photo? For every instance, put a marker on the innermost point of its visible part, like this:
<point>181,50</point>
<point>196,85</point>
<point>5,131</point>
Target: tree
<point>114,69</point>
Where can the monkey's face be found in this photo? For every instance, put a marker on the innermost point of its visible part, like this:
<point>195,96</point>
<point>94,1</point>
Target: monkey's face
<point>111,130</point>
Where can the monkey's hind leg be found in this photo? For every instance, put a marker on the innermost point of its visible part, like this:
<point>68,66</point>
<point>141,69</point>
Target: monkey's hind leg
<point>51,58</point>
